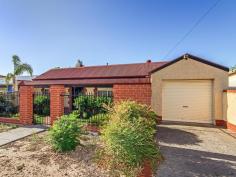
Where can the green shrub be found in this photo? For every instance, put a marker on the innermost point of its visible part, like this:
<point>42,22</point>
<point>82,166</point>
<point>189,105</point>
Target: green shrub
<point>129,137</point>
<point>64,134</point>
<point>42,105</point>
<point>131,111</point>
<point>89,105</point>
<point>99,119</point>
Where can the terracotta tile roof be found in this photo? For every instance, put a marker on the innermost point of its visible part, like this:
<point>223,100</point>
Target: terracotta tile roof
<point>100,72</point>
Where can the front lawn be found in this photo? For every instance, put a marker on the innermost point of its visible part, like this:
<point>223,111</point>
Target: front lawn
<point>33,156</point>
<point>6,127</point>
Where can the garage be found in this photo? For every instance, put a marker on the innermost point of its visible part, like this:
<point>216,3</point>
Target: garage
<point>187,100</point>
<point>189,89</point>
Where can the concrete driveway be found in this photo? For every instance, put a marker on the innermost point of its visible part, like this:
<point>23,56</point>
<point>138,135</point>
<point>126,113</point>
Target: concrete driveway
<point>196,150</point>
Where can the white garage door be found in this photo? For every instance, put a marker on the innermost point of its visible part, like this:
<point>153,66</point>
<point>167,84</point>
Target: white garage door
<point>187,100</point>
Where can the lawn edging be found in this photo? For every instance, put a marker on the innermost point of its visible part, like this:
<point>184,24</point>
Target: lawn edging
<point>146,170</point>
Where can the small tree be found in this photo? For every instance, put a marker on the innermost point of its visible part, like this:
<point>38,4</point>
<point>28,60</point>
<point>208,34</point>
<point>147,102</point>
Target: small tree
<point>233,69</point>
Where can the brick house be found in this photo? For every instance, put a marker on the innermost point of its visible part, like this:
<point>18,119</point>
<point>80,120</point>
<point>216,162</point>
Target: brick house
<point>232,79</point>
<point>4,86</point>
<point>188,88</point>
<point>125,81</point>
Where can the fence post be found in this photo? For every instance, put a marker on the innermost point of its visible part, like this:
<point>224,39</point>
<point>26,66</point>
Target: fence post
<point>26,104</point>
<point>70,99</point>
<point>56,101</point>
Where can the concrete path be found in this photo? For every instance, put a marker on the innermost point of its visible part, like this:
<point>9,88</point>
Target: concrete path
<point>18,133</point>
<point>196,151</point>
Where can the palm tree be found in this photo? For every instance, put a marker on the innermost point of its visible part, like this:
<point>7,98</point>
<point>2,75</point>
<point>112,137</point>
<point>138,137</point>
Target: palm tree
<point>19,68</point>
<point>233,69</point>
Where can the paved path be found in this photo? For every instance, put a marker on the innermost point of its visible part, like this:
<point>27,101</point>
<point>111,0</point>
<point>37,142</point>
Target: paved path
<point>196,151</point>
<point>18,133</point>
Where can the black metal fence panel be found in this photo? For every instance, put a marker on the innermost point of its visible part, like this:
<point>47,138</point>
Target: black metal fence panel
<point>41,108</point>
<point>87,107</point>
<point>9,105</point>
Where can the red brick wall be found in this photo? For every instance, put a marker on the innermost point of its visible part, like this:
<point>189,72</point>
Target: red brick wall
<point>221,123</point>
<point>56,101</point>
<point>26,104</point>
<point>135,92</point>
<point>10,120</point>
<point>231,127</point>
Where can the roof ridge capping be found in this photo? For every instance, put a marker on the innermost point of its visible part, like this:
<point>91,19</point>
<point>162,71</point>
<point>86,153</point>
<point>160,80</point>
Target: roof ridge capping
<point>97,66</point>
<point>186,56</point>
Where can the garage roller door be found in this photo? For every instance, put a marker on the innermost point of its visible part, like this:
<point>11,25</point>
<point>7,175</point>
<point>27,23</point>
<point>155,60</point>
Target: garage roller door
<point>187,100</point>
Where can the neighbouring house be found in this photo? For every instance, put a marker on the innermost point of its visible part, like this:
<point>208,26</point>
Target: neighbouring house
<point>4,86</point>
<point>19,79</point>
<point>188,88</point>
<point>10,87</point>
<point>230,101</point>
<point>232,79</point>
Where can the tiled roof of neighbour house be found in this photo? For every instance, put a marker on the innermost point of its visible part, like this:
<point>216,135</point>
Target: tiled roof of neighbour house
<point>25,78</point>
<point>138,70</point>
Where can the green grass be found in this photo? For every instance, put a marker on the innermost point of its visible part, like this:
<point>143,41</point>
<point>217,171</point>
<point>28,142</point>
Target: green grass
<point>14,116</point>
<point>6,127</point>
<point>40,119</point>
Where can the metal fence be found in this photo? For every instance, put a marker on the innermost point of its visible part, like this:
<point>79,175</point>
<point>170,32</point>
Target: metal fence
<point>9,105</point>
<point>87,107</point>
<point>41,108</point>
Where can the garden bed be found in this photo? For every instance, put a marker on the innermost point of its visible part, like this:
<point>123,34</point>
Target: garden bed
<point>127,146</point>
<point>33,156</point>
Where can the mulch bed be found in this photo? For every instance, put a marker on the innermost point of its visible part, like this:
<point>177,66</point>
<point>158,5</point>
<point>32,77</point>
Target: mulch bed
<point>33,156</point>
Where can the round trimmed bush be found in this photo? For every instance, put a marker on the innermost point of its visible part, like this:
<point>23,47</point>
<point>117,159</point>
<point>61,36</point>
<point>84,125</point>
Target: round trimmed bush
<point>64,134</point>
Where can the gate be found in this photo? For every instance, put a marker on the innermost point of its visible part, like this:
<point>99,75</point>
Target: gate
<point>41,108</point>
<point>87,107</point>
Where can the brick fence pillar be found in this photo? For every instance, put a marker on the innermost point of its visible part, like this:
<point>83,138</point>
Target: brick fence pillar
<point>26,104</point>
<point>56,101</point>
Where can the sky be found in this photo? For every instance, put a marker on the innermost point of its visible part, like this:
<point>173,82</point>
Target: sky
<point>56,33</point>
